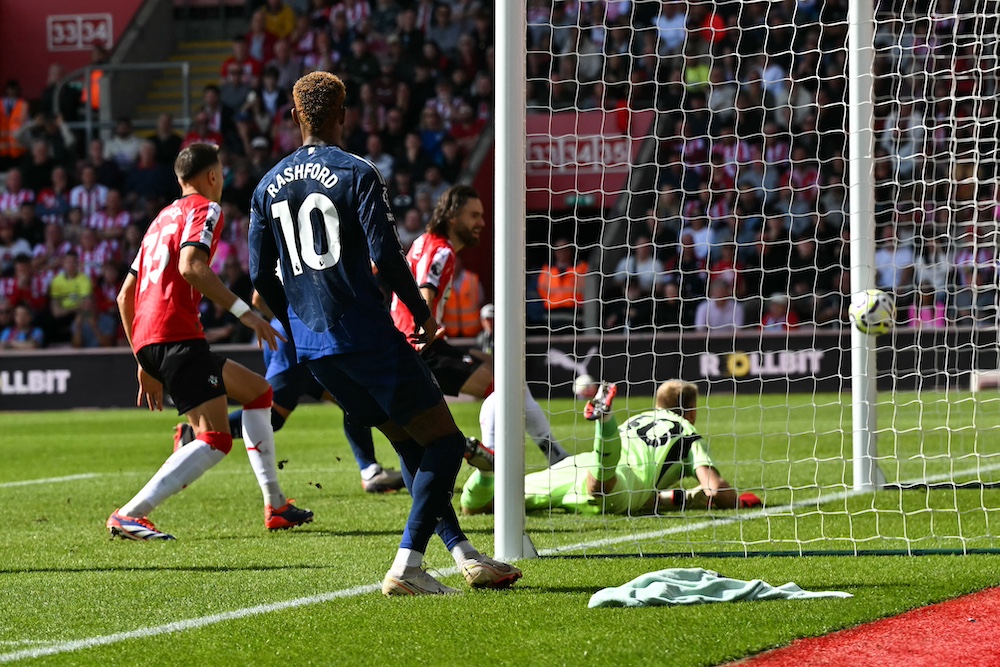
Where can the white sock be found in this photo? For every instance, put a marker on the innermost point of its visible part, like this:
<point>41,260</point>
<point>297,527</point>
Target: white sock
<point>182,468</point>
<point>487,422</point>
<point>464,551</point>
<point>258,436</point>
<point>371,471</point>
<point>535,421</point>
<point>406,560</point>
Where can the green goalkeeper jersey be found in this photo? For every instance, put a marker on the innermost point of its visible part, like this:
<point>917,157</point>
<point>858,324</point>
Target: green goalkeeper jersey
<point>658,448</point>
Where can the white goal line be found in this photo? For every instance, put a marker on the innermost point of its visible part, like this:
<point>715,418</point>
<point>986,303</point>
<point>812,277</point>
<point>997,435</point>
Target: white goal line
<point>747,516</point>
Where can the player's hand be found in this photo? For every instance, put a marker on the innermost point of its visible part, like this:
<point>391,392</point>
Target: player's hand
<point>424,335</point>
<point>150,389</point>
<point>265,332</point>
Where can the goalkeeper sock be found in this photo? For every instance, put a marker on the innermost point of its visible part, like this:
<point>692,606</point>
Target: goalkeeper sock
<point>608,446</point>
<point>540,430</point>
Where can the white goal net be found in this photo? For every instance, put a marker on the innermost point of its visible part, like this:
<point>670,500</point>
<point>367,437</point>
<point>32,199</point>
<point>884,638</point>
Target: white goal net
<point>687,172</point>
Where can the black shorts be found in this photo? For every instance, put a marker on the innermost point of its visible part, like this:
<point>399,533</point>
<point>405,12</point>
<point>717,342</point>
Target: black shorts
<point>450,366</point>
<point>190,372</point>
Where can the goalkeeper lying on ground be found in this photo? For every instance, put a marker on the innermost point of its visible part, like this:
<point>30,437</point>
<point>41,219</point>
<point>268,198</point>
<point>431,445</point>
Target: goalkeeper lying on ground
<point>633,469</point>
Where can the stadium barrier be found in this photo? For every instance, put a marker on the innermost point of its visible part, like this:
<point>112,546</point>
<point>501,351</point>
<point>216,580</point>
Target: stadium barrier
<point>804,361</point>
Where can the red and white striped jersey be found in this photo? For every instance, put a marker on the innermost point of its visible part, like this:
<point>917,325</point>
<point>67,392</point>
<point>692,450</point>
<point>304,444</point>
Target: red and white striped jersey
<point>354,12</point>
<point>42,250</point>
<point>102,221</point>
<point>10,202</point>
<point>432,262</point>
<point>733,155</point>
<point>89,201</point>
<point>92,260</point>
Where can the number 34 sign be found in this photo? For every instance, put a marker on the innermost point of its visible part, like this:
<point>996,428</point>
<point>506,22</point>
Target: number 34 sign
<point>78,32</point>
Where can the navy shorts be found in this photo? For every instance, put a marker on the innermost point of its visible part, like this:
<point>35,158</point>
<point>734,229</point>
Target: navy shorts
<point>376,386</point>
<point>292,384</point>
<point>190,372</point>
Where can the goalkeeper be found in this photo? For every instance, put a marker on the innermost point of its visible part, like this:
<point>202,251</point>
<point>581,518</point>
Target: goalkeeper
<point>633,469</point>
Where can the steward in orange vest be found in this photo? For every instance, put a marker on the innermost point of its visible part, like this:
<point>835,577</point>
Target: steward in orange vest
<point>461,311</point>
<point>13,116</point>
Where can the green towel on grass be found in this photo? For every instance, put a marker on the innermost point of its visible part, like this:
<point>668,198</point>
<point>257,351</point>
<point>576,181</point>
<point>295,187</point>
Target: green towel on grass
<point>695,586</point>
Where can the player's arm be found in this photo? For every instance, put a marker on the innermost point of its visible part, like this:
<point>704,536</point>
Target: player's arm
<point>193,267</point>
<point>150,389</point>
<point>263,268</point>
<point>386,253</point>
<point>257,301</point>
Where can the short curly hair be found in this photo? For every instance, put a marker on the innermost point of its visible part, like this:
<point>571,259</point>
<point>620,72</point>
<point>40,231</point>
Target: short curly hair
<point>319,97</point>
<point>448,206</point>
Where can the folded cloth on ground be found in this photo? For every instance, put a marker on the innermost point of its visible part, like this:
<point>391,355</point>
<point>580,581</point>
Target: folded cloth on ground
<point>696,586</point>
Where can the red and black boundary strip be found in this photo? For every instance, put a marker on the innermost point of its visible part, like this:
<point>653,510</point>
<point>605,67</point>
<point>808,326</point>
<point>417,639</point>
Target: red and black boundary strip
<point>962,632</point>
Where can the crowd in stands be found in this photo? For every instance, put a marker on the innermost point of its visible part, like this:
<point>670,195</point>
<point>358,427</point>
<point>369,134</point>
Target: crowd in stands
<point>748,226</point>
<point>73,209</point>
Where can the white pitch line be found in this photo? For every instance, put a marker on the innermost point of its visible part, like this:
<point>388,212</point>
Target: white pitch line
<point>203,621</point>
<point>49,480</point>
<point>746,516</point>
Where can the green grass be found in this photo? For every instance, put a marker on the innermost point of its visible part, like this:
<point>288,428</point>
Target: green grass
<point>62,580</point>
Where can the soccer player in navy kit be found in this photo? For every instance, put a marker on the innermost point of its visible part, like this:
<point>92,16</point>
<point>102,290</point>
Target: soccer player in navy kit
<point>319,219</point>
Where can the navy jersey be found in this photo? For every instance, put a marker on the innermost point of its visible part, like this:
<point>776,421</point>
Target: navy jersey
<point>322,216</point>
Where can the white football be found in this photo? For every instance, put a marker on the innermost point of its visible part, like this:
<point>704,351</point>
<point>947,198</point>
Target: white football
<point>873,312</point>
<point>584,386</point>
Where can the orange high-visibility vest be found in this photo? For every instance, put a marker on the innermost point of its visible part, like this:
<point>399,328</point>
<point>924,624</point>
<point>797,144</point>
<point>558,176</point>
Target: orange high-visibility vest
<point>461,312</point>
<point>561,289</point>
<point>92,90</point>
<point>10,124</point>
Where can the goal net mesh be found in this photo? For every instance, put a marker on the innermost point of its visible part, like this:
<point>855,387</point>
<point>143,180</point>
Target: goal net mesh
<point>687,164</point>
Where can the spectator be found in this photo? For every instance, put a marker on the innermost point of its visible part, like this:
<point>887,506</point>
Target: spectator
<point>201,132</point>
<point>286,63</point>
<point>123,147</point>
<point>413,157</point>
<point>720,312</point>
<point>250,68</point>
<point>383,161</point>
<point>410,227</point>
<point>91,328</point>
<point>29,287</point>
<point>27,224</point>
<point>927,312</point>
<point>233,91</point>
<point>260,42</point>
<point>640,267</point>
<point>54,132</point>
<point>110,223</point>
<point>279,19</point>
<point>779,315</point>
<point>6,312</point>
<point>13,116</point>
<point>14,193</point>
<point>10,247</point>
<point>93,252</point>
<point>53,201</point>
<point>150,180</point>
<point>259,161</point>
<point>21,334</point>
<point>432,133</point>
<point>360,65</point>
<point>220,118</point>
<point>452,162</point>
<point>166,141</point>
<point>894,263</point>
<point>36,166</point>
<point>107,173</point>
<point>66,294</point>
<point>433,182</point>
<point>90,196</point>
<point>484,339</point>
<point>402,196</point>
<point>560,286</point>
<point>68,105</point>
<point>461,311</point>
<point>47,256</point>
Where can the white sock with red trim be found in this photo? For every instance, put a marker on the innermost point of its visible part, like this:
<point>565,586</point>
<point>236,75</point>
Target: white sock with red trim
<point>258,436</point>
<point>182,468</point>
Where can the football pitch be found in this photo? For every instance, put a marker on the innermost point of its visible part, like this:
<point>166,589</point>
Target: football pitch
<point>228,592</point>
